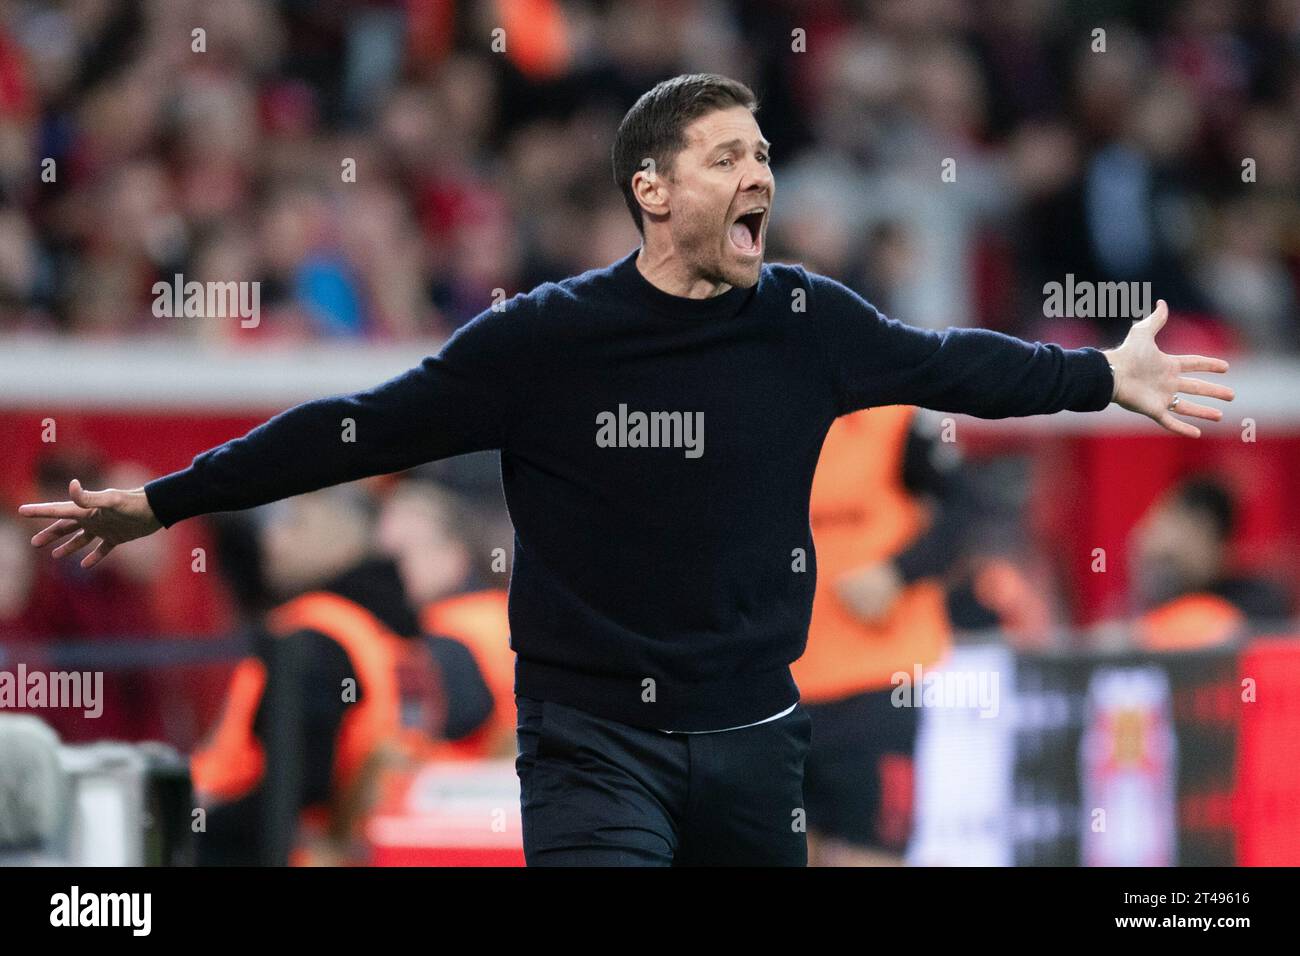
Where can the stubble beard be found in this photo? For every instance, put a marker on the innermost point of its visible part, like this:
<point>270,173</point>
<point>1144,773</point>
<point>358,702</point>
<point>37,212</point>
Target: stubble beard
<point>709,255</point>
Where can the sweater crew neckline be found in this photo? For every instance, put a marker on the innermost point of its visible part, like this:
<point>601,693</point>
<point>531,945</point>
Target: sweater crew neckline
<point>630,279</point>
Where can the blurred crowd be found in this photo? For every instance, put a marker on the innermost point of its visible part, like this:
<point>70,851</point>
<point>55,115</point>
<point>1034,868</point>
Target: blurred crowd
<point>387,169</point>
<point>166,635</point>
<point>227,155</point>
<point>383,167</point>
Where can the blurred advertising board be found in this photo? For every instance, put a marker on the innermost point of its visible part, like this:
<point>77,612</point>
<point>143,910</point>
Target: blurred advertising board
<point>1189,759</point>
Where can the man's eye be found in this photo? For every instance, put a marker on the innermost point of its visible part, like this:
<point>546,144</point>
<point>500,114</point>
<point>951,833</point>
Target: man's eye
<point>763,158</point>
<point>724,159</point>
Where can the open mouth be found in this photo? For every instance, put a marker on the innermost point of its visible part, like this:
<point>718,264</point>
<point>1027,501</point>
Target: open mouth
<point>746,231</point>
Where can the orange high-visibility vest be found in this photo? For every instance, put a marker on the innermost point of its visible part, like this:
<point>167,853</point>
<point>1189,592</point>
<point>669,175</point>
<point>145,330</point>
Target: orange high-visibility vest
<point>1190,622</point>
<point>233,763</point>
<point>861,514</point>
<point>479,621</point>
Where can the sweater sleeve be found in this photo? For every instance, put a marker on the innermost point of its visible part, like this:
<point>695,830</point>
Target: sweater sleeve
<point>874,360</point>
<point>451,403</point>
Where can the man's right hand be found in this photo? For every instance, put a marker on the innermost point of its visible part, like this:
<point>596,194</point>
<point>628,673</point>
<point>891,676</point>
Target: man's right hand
<point>103,519</point>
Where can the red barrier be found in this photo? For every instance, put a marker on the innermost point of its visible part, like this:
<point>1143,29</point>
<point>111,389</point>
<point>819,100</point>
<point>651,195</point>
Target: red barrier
<point>1266,805</point>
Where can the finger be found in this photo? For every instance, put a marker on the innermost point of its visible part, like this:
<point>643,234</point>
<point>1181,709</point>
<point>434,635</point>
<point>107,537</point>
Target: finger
<point>1178,426</point>
<point>73,544</point>
<point>1159,317</point>
<point>54,531</point>
<point>1194,410</point>
<point>101,551</point>
<point>62,547</point>
<point>53,509</point>
<point>1194,386</point>
<point>87,499</point>
<point>1200,363</point>
<point>64,540</point>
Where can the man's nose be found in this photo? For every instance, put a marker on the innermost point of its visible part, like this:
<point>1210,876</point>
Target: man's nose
<point>758,176</point>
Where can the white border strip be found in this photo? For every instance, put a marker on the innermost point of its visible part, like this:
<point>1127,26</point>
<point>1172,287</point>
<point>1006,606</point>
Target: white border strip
<point>166,375</point>
<point>162,374</point>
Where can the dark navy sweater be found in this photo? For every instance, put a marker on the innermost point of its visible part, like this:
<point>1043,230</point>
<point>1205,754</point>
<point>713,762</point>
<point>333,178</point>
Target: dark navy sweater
<point>663,563</point>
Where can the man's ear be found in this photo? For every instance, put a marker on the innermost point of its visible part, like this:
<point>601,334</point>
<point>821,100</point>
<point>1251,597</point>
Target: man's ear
<point>650,187</point>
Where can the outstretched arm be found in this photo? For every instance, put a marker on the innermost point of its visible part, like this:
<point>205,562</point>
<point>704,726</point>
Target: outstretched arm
<point>450,404</point>
<point>874,360</point>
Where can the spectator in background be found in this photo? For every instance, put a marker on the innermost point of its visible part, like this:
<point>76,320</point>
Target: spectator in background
<point>1247,279</point>
<point>341,685</point>
<point>429,533</point>
<point>889,509</point>
<point>1182,577</point>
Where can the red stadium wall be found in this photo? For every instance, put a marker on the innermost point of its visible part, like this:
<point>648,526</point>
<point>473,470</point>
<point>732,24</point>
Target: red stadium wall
<point>159,442</point>
<point>1089,490</point>
<point>1268,771</point>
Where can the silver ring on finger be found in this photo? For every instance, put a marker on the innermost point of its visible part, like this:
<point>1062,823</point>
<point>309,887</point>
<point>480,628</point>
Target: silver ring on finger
<point>1174,404</point>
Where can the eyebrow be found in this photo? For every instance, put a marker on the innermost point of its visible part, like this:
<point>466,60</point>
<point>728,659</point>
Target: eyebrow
<point>763,144</point>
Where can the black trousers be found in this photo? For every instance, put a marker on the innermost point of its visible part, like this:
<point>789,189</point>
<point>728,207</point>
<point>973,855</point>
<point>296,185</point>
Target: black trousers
<point>596,792</point>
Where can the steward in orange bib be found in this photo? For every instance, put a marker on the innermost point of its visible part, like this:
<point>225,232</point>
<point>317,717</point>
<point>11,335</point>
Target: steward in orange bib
<point>340,682</point>
<point>432,534</point>
<point>479,621</point>
<point>1182,553</point>
<point>877,610</point>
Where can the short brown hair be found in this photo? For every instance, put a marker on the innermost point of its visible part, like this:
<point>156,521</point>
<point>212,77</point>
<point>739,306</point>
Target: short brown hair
<point>655,127</point>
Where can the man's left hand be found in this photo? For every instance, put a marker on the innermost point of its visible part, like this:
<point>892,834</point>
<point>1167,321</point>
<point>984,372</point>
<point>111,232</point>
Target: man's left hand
<point>1147,381</point>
